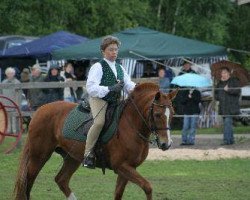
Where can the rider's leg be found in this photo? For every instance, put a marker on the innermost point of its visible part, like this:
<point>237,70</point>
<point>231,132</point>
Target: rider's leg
<point>98,110</point>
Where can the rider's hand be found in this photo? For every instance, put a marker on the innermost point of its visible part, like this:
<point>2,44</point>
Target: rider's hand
<point>117,87</point>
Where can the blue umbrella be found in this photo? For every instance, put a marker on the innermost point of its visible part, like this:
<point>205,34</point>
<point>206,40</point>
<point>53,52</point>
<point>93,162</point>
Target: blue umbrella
<point>191,80</point>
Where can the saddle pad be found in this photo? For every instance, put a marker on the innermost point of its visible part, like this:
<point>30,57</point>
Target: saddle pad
<point>78,122</point>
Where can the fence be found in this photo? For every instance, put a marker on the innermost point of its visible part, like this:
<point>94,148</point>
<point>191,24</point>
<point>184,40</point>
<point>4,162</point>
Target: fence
<point>208,116</point>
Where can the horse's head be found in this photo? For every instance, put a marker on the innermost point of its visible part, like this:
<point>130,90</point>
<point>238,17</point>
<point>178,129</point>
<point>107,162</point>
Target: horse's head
<point>160,115</point>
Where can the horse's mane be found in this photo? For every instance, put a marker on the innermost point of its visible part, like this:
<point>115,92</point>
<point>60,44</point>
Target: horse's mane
<point>145,87</point>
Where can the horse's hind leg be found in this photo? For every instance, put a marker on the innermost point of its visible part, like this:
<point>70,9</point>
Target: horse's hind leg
<point>121,183</point>
<point>34,166</point>
<point>62,179</point>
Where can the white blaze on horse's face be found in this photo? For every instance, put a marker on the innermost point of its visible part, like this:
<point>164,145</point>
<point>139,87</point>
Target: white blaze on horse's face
<point>167,113</point>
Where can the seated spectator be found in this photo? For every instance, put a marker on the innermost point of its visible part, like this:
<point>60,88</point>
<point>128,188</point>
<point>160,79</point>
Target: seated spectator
<point>36,97</point>
<point>54,94</point>
<point>68,75</point>
<point>11,94</point>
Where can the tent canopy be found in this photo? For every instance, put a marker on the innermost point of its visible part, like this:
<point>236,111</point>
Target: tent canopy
<point>42,48</point>
<point>146,42</point>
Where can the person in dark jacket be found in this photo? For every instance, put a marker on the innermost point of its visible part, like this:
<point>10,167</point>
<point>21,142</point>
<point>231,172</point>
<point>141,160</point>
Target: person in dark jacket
<point>186,68</point>
<point>54,94</point>
<point>190,101</point>
<point>36,97</point>
<point>227,93</point>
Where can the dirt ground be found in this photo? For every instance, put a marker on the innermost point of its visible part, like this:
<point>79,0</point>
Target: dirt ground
<point>207,147</point>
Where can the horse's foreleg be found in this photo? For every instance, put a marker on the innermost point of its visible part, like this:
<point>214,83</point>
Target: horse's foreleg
<point>121,183</point>
<point>62,179</point>
<point>132,175</point>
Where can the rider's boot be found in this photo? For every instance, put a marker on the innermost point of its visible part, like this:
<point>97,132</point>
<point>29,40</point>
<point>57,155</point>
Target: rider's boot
<point>89,160</point>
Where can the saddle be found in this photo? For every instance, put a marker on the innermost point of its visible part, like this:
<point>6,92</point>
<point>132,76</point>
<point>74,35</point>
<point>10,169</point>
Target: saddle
<point>80,119</point>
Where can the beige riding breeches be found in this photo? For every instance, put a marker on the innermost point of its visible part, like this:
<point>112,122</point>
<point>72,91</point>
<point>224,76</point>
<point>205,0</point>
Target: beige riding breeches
<point>98,110</point>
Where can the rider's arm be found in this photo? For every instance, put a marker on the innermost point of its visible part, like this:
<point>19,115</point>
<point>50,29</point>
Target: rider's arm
<point>128,84</point>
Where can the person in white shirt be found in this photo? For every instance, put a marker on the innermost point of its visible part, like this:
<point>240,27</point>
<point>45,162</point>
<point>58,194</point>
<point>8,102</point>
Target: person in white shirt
<point>105,81</point>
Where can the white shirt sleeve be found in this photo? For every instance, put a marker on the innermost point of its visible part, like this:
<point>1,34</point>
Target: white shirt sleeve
<point>93,86</point>
<point>128,84</point>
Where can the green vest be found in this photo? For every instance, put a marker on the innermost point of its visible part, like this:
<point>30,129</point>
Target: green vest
<point>109,79</point>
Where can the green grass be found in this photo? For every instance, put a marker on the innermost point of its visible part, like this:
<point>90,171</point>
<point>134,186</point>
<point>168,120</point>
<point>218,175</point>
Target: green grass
<point>171,180</point>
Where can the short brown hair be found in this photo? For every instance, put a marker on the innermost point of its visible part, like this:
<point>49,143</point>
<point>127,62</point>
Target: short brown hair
<point>225,68</point>
<point>107,40</point>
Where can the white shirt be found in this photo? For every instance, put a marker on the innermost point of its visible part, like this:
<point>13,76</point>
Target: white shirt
<point>93,86</point>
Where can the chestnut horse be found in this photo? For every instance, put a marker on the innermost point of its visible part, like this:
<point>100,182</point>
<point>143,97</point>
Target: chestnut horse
<point>148,111</point>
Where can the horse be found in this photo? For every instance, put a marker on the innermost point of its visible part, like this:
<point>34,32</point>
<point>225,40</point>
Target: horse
<point>147,111</point>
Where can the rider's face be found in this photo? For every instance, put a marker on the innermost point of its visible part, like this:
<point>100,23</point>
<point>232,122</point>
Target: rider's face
<point>111,52</point>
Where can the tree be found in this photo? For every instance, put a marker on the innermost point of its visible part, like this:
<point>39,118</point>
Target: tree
<point>239,29</point>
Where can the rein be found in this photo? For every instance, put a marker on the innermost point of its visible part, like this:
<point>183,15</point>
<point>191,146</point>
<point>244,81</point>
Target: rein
<point>153,129</point>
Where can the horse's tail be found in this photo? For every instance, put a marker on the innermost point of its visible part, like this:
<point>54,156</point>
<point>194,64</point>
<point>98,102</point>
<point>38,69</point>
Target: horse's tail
<point>21,179</point>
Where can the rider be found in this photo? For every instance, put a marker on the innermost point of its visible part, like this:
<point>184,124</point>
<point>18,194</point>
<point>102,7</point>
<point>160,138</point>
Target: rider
<point>105,81</point>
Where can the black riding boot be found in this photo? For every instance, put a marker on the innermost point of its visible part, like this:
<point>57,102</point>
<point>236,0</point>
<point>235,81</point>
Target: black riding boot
<point>89,160</point>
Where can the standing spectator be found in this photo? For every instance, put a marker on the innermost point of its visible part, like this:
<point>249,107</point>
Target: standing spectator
<point>36,97</point>
<point>179,108</point>
<point>54,94</point>
<point>80,73</point>
<point>68,75</point>
<point>25,78</point>
<point>164,82</point>
<point>227,93</point>
<point>11,94</point>
<point>186,68</point>
<point>190,100</point>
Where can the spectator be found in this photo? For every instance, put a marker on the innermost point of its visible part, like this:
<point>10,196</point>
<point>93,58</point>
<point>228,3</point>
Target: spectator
<point>190,100</point>
<point>11,94</point>
<point>54,94</point>
<point>80,73</point>
<point>36,97</point>
<point>164,82</point>
<point>68,75</point>
<point>179,108</point>
<point>227,93</point>
<point>25,78</point>
<point>186,68</point>
<point>148,72</point>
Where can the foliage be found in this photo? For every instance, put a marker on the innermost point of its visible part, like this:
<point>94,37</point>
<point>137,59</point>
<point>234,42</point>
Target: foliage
<point>219,22</point>
<point>239,29</point>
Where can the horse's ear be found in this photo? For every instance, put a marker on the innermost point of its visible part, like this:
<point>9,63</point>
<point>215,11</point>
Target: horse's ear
<point>173,94</point>
<point>157,95</point>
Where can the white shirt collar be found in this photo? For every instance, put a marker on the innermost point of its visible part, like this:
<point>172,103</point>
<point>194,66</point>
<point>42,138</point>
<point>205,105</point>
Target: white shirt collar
<point>109,62</point>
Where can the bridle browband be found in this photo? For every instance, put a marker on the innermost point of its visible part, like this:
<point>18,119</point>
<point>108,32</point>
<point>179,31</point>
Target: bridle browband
<point>152,127</point>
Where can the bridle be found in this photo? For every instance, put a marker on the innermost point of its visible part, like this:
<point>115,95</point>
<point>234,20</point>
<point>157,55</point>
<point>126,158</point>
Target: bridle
<point>152,125</point>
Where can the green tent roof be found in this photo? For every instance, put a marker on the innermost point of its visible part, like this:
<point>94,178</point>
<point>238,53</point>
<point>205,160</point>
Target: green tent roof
<point>146,42</point>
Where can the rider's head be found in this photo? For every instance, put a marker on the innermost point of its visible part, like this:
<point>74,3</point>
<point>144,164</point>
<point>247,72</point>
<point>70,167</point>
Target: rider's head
<point>109,47</point>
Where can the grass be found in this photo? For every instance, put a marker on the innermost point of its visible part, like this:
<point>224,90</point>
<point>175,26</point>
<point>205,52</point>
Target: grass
<point>171,180</point>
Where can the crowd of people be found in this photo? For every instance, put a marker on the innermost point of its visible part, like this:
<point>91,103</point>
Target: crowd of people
<point>188,102</point>
<point>39,96</point>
